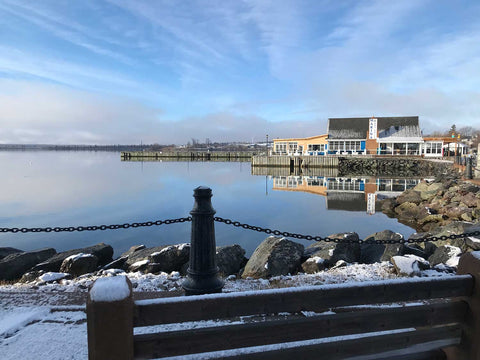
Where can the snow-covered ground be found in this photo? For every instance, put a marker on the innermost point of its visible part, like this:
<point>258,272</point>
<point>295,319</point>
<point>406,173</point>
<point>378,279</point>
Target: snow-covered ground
<point>47,320</point>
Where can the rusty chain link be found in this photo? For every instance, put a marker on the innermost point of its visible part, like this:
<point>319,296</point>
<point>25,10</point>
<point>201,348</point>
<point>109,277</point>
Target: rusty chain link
<point>345,241</point>
<point>241,225</point>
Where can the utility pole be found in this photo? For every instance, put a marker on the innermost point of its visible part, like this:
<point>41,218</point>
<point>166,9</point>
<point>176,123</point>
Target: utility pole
<point>267,145</point>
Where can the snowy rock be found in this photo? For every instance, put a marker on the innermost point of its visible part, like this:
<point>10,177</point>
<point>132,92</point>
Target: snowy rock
<point>102,251</point>
<point>53,276</point>
<point>13,266</point>
<point>313,265</point>
<point>473,243</point>
<point>446,254</point>
<point>409,265</point>
<point>230,259</point>
<point>273,257</point>
<point>170,258</point>
<point>141,265</point>
<point>116,264</point>
<point>339,264</point>
<point>79,264</point>
<point>331,252</point>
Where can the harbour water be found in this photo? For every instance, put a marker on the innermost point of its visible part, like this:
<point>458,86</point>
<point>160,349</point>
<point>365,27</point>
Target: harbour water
<point>55,188</point>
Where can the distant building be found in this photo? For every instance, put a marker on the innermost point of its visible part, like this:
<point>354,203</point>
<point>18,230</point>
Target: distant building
<point>314,145</point>
<point>399,135</point>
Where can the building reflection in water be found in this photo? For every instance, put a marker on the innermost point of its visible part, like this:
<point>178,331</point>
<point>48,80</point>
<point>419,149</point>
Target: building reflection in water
<point>343,193</point>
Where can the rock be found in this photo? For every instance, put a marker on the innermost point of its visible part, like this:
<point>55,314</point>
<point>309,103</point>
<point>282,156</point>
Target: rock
<point>170,258</point>
<point>372,253</point>
<point>435,218</point>
<point>31,276</point>
<point>454,228</point>
<point>116,264</point>
<point>409,212</point>
<point>273,257</point>
<point>409,196</point>
<point>340,264</point>
<point>141,265</point>
<point>445,254</point>
<point>142,254</point>
<point>102,251</point>
<point>13,266</point>
<point>79,264</point>
<point>469,200</point>
<point>453,211</point>
<point>313,265</point>
<point>473,243</point>
<point>49,277</point>
<point>409,265</point>
<point>388,206</point>
<point>132,250</point>
<point>428,191</point>
<point>230,259</point>
<point>331,252</point>
<point>5,251</point>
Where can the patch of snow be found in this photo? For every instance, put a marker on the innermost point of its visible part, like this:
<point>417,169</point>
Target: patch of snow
<point>140,263</point>
<point>110,289</point>
<point>330,252</point>
<point>77,256</point>
<point>266,266</point>
<point>182,246</point>
<point>52,276</point>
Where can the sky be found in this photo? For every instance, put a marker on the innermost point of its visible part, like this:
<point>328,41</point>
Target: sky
<point>164,71</point>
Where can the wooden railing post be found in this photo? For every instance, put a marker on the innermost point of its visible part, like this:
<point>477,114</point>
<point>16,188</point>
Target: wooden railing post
<point>202,271</point>
<point>110,319</point>
<point>469,349</point>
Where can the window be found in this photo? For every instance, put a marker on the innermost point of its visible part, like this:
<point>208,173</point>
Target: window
<point>292,147</point>
<point>281,148</point>
<point>316,147</point>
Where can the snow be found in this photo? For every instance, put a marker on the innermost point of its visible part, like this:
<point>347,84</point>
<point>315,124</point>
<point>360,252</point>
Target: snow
<point>52,276</point>
<point>77,256</point>
<point>110,289</point>
<point>38,322</point>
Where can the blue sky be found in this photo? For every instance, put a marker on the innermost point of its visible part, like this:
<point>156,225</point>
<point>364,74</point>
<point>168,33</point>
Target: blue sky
<point>118,71</point>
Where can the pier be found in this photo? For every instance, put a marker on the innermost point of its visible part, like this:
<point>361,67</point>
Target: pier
<point>187,156</point>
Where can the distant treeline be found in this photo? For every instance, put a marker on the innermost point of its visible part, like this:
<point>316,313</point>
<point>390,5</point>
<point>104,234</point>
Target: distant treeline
<point>75,147</point>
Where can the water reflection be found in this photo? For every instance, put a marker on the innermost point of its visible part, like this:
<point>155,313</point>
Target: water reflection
<point>348,194</point>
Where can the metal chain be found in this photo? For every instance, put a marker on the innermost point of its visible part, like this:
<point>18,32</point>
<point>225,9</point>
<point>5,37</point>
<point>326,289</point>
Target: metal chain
<point>345,241</point>
<point>238,224</point>
<point>96,227</point>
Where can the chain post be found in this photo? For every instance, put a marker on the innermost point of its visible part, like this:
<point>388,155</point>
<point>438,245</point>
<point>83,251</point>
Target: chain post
<point>202,273</point>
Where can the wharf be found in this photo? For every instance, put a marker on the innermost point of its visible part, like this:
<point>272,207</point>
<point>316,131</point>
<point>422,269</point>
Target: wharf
<point>187,156</point>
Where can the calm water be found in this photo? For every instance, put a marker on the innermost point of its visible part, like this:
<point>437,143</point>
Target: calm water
<point>40,189</point>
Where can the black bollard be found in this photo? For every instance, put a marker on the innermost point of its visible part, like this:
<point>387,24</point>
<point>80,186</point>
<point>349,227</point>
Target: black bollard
<point>468,169</point>
<point>202,271</point>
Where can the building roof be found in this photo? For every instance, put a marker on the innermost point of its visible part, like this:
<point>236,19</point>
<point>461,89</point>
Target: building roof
<point>388,127</point>
<point>303,139</point>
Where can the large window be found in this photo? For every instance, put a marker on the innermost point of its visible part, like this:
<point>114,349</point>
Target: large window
<point>347,145</point>
<point>292,147</point>
<point>316,147</point>
<point>433,148</point>
<point>281,148</point>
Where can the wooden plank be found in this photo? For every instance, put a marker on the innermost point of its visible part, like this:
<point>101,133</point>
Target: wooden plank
<point>408,342</point>
<point>195,341</point>
<point>313,298</point>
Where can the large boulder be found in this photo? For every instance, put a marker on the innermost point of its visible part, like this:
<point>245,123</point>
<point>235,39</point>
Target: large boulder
<point>102,251</point>
<point>445,254</point>
<point>141,254</point>
<point>372,253</point>
<point>428,191</point>
<point>170,258</point>
<point>348,249</point>
<point>273,257</point>
<point>5,251</point>
<point>313,265</point>
<point>79,264</point>
<point>13,266</point>
<point>409,196</point>
<point>230,259</point>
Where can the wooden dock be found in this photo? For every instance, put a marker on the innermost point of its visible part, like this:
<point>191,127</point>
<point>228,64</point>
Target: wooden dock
<point>295,162</point>
<point>187,156</point>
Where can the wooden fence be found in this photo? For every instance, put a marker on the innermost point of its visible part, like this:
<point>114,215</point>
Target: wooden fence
<point>419,318</point>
